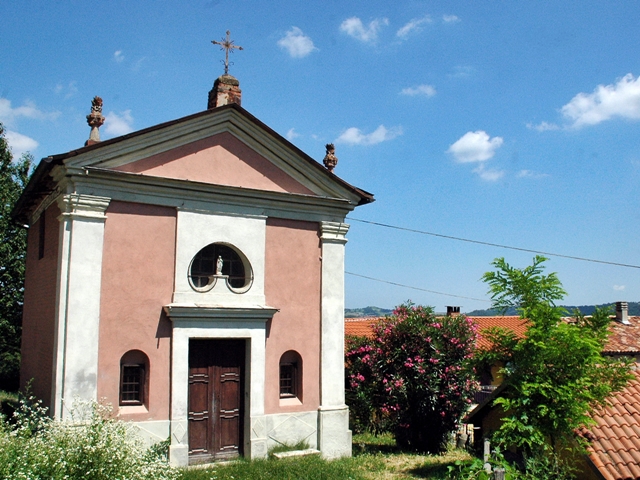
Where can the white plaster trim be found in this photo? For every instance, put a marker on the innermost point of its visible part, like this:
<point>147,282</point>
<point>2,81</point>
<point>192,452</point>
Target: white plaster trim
<point>78,300</point>
<point>218,323</point>
<point>247,235</point>
<point>203,196</point>
<point>332,328</point>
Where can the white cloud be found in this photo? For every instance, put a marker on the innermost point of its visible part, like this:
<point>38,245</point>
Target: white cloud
<point>296,43</point>
<point>118,56</point>
<point>450,19</point>
<point>8,114</point>
<point>475,147</point>
<point>619,288</point>
<point>489,175</point>
<point>117,125</point>
<point>353,26</point>
<point>543,126</point>
<point>68,91</point>
<point>20,143</point>
<point>354,136</point>
<point>292,134</point>
<point>462,71</point>
<point>421,90</point>
<point>607,101</point>
<point>413,25</point>
<point>531,174</point>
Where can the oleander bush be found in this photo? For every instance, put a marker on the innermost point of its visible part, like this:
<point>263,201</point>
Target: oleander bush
<point>414,378</point>
<point>92,445</point>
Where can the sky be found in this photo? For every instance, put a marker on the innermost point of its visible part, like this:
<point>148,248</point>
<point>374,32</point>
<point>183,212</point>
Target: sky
<point>508,123</point>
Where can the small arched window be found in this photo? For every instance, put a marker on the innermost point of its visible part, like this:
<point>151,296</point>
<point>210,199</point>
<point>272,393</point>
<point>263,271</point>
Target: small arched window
<point>134,373</point>
<point>291,375</point>
<point>207,262</point>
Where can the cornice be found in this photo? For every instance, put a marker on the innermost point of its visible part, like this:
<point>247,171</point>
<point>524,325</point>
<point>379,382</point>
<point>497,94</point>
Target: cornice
<point>187,194</point>
<point>198,312</point>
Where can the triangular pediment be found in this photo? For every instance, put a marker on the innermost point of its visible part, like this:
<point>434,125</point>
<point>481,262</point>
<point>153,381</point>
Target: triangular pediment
<point>226,146</point>
<point>220,159</point>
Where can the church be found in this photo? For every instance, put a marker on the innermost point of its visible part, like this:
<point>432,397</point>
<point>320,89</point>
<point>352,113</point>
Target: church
<point>191,274</point>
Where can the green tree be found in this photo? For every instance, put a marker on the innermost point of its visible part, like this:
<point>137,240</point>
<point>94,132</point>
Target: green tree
<point>13,242</point>
<point>557,373</point>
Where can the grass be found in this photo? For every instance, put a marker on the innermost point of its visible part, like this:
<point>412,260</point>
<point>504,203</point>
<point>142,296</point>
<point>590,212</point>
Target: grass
<point>374,457</point>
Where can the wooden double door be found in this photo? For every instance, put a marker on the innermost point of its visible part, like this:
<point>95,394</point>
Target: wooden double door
<point>216,392</point>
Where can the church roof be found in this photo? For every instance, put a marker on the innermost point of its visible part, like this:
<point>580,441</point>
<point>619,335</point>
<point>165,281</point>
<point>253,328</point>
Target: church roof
<point>42,184</point>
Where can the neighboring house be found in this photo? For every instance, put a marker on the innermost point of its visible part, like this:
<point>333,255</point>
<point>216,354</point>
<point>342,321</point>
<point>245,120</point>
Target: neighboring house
<point>192,275</point>
<point>614,443</point>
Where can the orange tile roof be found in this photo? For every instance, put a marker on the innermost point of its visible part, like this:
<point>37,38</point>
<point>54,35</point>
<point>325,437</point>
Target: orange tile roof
<point>511,322</point>
<point>360,327</point>
<point>614,443</point>
<point>624,338</point>
<point>363,326</point>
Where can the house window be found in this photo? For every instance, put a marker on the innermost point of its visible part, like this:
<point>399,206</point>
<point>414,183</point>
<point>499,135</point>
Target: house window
<point>205,265</point>
<point>134,366</point>
<point>291,375</point>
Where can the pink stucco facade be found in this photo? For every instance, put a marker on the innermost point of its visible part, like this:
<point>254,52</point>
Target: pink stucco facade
<point>39,313</point>
<point>220,159</point>
<point>137,280</point>
<point>292,284</point>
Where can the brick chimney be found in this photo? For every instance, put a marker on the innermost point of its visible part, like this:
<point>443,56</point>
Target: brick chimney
<point>453,311</point>
<point>226,89</point>
<point>622,313</point>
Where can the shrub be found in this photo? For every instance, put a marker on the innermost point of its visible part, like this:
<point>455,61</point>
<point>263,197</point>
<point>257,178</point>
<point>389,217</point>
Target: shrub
<point>92,445</point>
<point>415,375</point>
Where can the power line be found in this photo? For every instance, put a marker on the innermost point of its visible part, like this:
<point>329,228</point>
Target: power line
<point>422,232</point>
<point>415,288</point>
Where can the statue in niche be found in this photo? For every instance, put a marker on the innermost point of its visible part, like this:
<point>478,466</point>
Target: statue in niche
<point>219,265</point>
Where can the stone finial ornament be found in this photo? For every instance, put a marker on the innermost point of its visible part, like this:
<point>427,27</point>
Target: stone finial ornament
<point>95,120</point>
<point>330,160</point>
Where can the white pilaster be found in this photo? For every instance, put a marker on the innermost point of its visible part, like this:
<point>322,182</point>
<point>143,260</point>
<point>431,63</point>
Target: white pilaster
<point>334,437</point>
<point>78,300</point>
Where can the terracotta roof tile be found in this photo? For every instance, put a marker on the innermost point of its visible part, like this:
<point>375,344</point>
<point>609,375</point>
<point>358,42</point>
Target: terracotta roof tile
<point>511,322</point>
<point>360,327</point>
<point>615,445</point>
<point>624,338</point>
<point>363,327</point>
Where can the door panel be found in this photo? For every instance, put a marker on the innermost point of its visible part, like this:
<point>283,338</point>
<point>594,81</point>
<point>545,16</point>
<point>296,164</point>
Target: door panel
<point>216,381</point>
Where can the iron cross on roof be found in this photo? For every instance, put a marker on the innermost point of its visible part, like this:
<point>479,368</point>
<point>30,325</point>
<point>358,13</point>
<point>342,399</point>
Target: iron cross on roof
<point>227,45</point>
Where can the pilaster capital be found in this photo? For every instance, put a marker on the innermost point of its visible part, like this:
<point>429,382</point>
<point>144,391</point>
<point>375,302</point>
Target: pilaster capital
<point>84,206</point>
<point>333,232</point>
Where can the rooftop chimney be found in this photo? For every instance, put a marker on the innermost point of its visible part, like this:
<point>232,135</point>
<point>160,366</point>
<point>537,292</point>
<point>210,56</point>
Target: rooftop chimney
<point>95,121</point>
<point>226,89</point>
<point>622,312</point>
<point>453,311</point>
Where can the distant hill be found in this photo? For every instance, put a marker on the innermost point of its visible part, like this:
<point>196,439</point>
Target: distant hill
<point>366,312</point>
<point>634,309</point>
